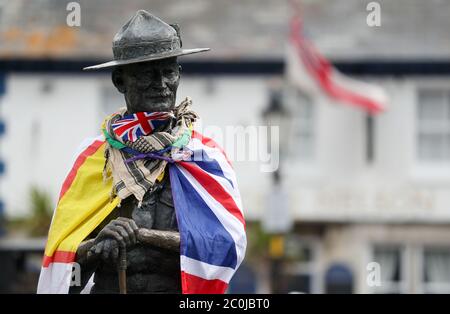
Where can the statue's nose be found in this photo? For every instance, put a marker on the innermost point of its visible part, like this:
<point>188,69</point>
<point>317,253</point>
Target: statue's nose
<point>157,80</point>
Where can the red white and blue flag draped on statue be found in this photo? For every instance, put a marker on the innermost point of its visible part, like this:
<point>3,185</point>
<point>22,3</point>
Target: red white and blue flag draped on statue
<point>132,126</point>
<point>307,69</point>
<point>210,217</point>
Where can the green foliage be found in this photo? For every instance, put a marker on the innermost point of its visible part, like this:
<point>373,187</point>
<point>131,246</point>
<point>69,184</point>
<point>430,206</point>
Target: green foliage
<point>39,219</point>
<point>258,241</point>
<point>41,212</point>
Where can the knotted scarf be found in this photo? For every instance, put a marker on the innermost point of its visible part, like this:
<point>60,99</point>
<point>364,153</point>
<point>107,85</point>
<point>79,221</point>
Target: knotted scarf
<point>140,145</point>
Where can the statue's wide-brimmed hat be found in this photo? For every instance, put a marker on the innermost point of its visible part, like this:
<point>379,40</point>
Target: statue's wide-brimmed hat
<point>143,38</point>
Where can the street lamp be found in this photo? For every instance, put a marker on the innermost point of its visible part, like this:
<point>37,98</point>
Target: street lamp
<point>277,115</point>
<point>276,219</point>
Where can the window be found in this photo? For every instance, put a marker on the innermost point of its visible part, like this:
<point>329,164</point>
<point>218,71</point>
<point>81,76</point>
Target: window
<point>413,268</point>
<point>302,130</point>
<point>436,270</point>
<point>300,273</point>
<point>390,259</point>
<point>433,121</point>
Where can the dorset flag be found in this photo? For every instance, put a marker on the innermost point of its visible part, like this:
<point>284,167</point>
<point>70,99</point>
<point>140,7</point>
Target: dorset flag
<point>207,204</point>
<point>307,69</point>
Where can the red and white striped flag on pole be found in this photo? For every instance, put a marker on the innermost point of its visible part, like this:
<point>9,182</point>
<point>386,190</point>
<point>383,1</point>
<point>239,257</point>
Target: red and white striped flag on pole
<point>307,69</point>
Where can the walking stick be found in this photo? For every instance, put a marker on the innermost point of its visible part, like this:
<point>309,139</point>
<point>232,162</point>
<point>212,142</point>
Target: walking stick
<point>122,270</point>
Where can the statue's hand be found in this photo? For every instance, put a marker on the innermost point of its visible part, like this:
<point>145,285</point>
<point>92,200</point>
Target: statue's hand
<point>118,232</point>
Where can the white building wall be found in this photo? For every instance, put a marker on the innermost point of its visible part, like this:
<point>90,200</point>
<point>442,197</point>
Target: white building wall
<point>395,187</point>
<point>47,118</point>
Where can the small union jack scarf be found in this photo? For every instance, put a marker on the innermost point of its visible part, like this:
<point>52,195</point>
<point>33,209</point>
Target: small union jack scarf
<point>132,126</point>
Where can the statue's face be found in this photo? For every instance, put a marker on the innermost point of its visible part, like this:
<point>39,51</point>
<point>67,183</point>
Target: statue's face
<point>148,86</point>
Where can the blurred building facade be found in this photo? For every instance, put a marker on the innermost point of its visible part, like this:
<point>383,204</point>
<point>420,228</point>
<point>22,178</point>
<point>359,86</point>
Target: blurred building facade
<point>360,189</point>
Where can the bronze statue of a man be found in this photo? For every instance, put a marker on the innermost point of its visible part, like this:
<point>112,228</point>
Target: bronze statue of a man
<point>158,188</point>
<point>147,73</point>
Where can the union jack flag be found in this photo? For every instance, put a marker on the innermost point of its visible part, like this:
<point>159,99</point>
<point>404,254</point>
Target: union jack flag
<point>132,126</point>
<point>210,217</point>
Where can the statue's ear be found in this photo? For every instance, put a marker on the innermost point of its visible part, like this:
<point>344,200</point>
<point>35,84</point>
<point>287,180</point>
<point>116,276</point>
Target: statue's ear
<point>117,78</point>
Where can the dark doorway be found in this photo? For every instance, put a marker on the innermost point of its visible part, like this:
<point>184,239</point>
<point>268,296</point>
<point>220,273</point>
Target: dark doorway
<point>338,280</point>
